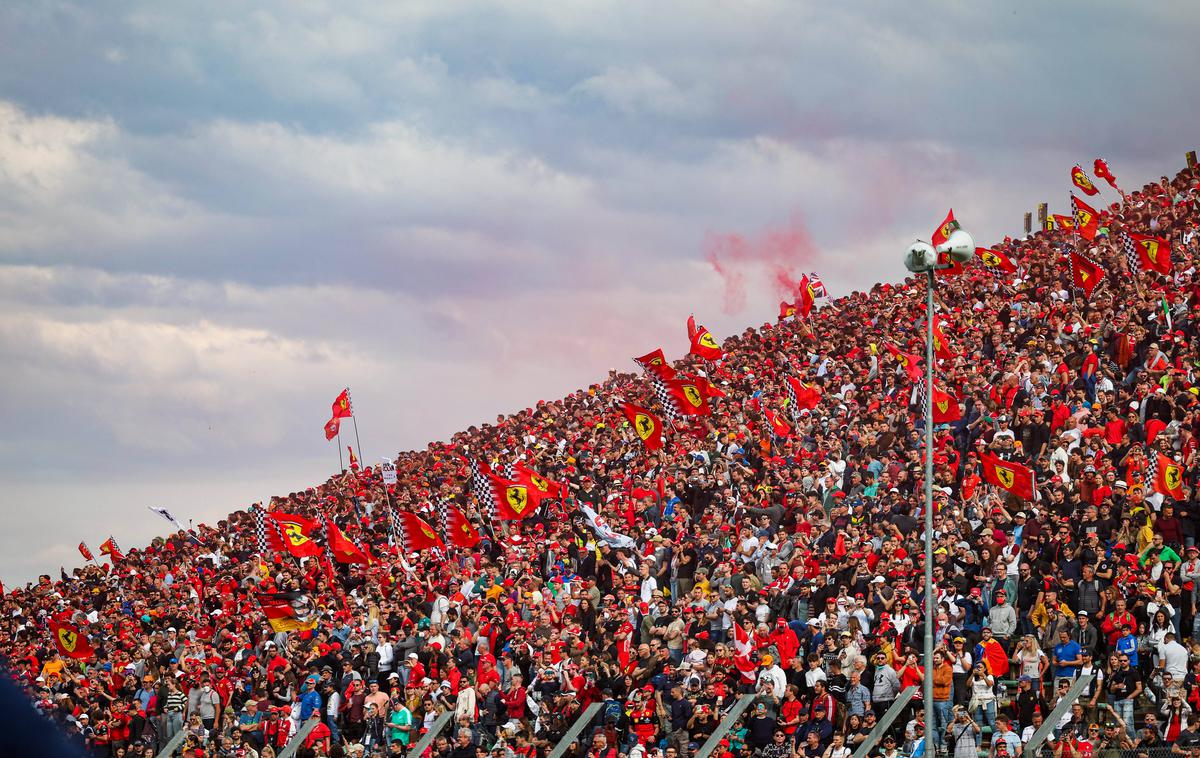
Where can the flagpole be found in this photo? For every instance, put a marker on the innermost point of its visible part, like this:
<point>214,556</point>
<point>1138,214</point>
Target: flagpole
<point>339,447</point>
<point>357,441</point>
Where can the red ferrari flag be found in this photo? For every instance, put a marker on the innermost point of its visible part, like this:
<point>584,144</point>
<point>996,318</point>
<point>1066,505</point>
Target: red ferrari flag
<point>941,346</point>
<point>416,534</point>
<point>1168,478</point>
<point>69,641</point>
<point>940,235</point>
<point>800,396</point>
<point>110,548</point>
<point>945,407</point>
<point>688,396</point>
<point>1100,169</point>
<point>786,310</point>
<point>293,534</point>
<point>805,297</point>
<point>85,552</point>
<point>908,360</point>
<point>995,260</point>
<point>531,478</point>
<point>1086,218</point>
<point>460,531</point>
<point>1081,180</point>
<point>353,459</point>
<point>288,611</point>
<point>342,408</point>
<point>514,501</point>
<point>1154,253</point>
<point>703,343</point>
<point>779,427</point>
<point>1063,222</point>
<point>655,361</point>
<point>343,548</point>
<point>332,427</point>
<point>1011,477</point>
<point>646,425</point>
<point>1085,273</point>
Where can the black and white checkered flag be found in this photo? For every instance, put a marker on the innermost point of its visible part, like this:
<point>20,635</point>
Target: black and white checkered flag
<point>670,410</point>
<point>793,401</point>
<point>1131,253</point>
<point>260,529</point>
<point>443,515</point>
<point>1151,470</point>
<point>482,489</point>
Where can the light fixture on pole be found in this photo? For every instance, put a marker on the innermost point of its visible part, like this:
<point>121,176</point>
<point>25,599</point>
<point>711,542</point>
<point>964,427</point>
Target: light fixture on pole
<point>923,258</point>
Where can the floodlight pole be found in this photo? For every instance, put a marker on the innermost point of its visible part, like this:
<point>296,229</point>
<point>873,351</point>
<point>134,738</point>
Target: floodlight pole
<point>930,601</point>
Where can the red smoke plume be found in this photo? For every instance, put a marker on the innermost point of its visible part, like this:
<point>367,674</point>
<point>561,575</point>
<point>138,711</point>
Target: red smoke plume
<point>779,252</point>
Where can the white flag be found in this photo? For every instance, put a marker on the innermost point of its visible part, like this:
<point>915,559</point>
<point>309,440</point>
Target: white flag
<point>602,530</point>
<point>389,471</point>
<point>168,516</point>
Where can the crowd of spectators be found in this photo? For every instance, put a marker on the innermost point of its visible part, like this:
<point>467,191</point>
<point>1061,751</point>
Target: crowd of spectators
<point>810,542</point>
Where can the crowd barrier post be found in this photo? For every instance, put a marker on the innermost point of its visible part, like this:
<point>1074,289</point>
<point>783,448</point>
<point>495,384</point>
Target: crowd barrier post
<point>298,738</point>
<point>885,723</point>
<point>571,734</point>
<point>1034,746</point>
<point>726,724</point>
<point>427,739</point>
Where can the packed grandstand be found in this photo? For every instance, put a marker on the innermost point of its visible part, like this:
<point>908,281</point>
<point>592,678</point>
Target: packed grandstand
<point>618,547</point>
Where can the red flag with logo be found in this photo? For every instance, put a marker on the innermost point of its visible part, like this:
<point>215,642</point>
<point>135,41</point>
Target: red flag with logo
<point>907,360</point>
<point>343,548</point>
<point>293,534</point>
<point>70,641</point>
<point>804,396</point>
<point>941,346</point>
<point>1086,273</point>
<point>646,425</point>
<point>514,501</point>
<point>940,235</point>
<point>531,478</point>
<point>109,547</point>
<point>1009,476</point>
<point>1169,478</point>
<point>995,260</point>
<point>416,533</point>
<point>461,532</point>
<point>332,427</point>
<point>353,459</point>
<point>805,297</point>
<point>945,406</point>
<point>655,361</point>
<point>341,405</point>
<point>703,343</point>
<point>1153,252</point>
<point>786,310</point>
<point>1100,169</point>
<point>689,396</point>
<point>1086,218</point>
<point>1081,180</point>
<point>779,427</point>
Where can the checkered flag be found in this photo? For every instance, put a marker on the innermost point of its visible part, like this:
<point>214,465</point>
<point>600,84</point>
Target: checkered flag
<point>793,401</point>
<point>1131,253</point>
<point>670,410</point>
<point>443,515</point>
<point>482,488</point>
<point>325,528</point>
<point>1151,469</point>
<point>260,528</point>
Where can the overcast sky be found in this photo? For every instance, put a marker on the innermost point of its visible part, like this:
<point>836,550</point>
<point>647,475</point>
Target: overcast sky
<point>213,216</point>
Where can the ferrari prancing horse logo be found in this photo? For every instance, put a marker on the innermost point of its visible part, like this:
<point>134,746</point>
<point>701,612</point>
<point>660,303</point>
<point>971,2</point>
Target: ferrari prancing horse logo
<point>1006,477</point>
<point>707,340</point>
<point>644,426</point>
<point>295,533</point>
<point>68,639</point>
<point>693,395</point>
<point>517,497</point>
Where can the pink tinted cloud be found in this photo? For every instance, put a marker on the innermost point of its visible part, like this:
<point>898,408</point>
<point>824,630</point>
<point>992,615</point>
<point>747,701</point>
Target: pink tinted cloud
<point>779,253</point>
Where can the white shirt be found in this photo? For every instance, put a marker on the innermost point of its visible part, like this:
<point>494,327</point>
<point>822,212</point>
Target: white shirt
<point>1174,658</point>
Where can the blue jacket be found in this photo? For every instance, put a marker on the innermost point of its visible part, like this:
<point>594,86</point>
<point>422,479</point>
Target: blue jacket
<point>310,702</point>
